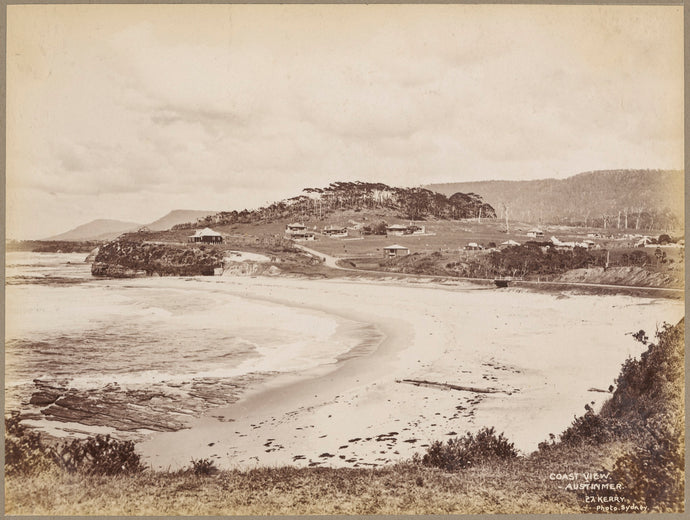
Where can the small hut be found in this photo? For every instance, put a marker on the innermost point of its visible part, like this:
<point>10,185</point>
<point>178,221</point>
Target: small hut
<point>335,231</point>
<point>396,230</point>
<point>296,228</point>
<point>206,235</point>
<point>395,250</point>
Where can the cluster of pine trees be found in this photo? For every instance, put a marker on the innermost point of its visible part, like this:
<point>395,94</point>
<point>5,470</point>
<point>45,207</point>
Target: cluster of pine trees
<point>410,203</point>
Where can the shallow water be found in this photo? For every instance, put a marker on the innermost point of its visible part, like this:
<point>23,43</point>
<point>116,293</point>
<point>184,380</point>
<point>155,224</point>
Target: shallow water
<point>104,340</point>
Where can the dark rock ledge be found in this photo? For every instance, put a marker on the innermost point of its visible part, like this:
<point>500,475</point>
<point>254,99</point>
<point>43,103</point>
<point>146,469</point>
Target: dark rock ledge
<point>162,407</point>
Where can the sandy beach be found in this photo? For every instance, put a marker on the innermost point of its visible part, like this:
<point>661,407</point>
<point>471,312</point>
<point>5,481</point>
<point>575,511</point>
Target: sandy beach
<point>539,356</point>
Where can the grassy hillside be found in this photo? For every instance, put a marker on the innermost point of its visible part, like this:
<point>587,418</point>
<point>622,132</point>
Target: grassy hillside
<point>644,198</point>
<point>438,251</point>
<point>404,203</point>
<point>635,446</point>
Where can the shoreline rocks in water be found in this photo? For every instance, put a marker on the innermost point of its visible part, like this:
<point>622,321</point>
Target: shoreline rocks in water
<point>162,407</point>
<point>115,271</point>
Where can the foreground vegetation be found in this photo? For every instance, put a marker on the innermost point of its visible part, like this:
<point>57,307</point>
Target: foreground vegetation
<point>635,446</point>
<point>400,489</point>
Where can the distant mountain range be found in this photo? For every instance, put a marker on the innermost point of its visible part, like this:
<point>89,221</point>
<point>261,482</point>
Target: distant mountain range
<point>623,199</point>
<point>106,229</point>
<point>609,198</point>
<point>177,216</point>
<point>100,229</point>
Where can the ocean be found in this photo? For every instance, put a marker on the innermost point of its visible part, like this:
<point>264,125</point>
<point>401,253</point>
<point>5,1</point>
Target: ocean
<point>129,357</point>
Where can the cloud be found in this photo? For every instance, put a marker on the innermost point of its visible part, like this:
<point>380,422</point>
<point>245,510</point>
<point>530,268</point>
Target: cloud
<point>238,105</point>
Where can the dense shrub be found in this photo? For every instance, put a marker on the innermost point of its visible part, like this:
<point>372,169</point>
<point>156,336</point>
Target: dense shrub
<point>462,452</point>
<point>27,453</point>
<point>653,474</point>
<point>647,386</point>
<point>99,455</point>
<point>647,410</point>
<point>650,400</point>
<point>589,428</point>
<point>541,258</point>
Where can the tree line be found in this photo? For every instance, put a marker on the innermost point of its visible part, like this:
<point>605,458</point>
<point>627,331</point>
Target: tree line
<point>412,203</point>
<point>640,200</point>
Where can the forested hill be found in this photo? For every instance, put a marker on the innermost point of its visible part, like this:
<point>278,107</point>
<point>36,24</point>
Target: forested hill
<point>408,203</point>
<point>646,198</point>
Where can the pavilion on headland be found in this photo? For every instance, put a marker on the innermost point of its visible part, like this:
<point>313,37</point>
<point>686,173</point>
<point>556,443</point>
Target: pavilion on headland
<point>206,235</point>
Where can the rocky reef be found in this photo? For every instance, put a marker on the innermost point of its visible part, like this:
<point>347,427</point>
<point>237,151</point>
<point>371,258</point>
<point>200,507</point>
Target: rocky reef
<point>163,406</point>
<point>128,259</point>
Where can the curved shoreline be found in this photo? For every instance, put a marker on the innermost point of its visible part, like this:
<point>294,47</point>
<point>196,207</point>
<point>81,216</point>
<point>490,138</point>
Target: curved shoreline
<point>196,394</point>
<point>287,394</point>
<point>345,417</point>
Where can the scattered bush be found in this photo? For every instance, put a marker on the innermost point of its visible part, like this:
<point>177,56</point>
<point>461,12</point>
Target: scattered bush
<point>462,452</point>
<point>378,228</point>
<point>203,467</point>
<point>99,455</point>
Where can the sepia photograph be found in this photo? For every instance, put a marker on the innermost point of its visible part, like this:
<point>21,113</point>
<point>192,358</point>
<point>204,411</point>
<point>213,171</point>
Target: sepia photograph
<point>344,259</point>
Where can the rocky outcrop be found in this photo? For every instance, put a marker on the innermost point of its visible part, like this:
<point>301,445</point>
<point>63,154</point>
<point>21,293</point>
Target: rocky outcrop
<point>128,258</point>
<point>164,406</point>
<point>91,258</point>
<point>47,393</point>
<point>116,410</point>
<point>633,276</point>
<point>114,271</point>
<point>245,268</point>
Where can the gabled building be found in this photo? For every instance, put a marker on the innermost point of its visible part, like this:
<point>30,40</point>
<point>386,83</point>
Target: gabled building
<point>335,231</point>
<point>295,228</point>
<point>206,235</point>
<point>395,250</point>
<point>396,230</point>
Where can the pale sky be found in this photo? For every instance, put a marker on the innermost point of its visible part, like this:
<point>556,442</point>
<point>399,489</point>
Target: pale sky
<point>127,112</point>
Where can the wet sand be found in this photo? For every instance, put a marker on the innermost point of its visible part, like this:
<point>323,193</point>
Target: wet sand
<point>539,355</point>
